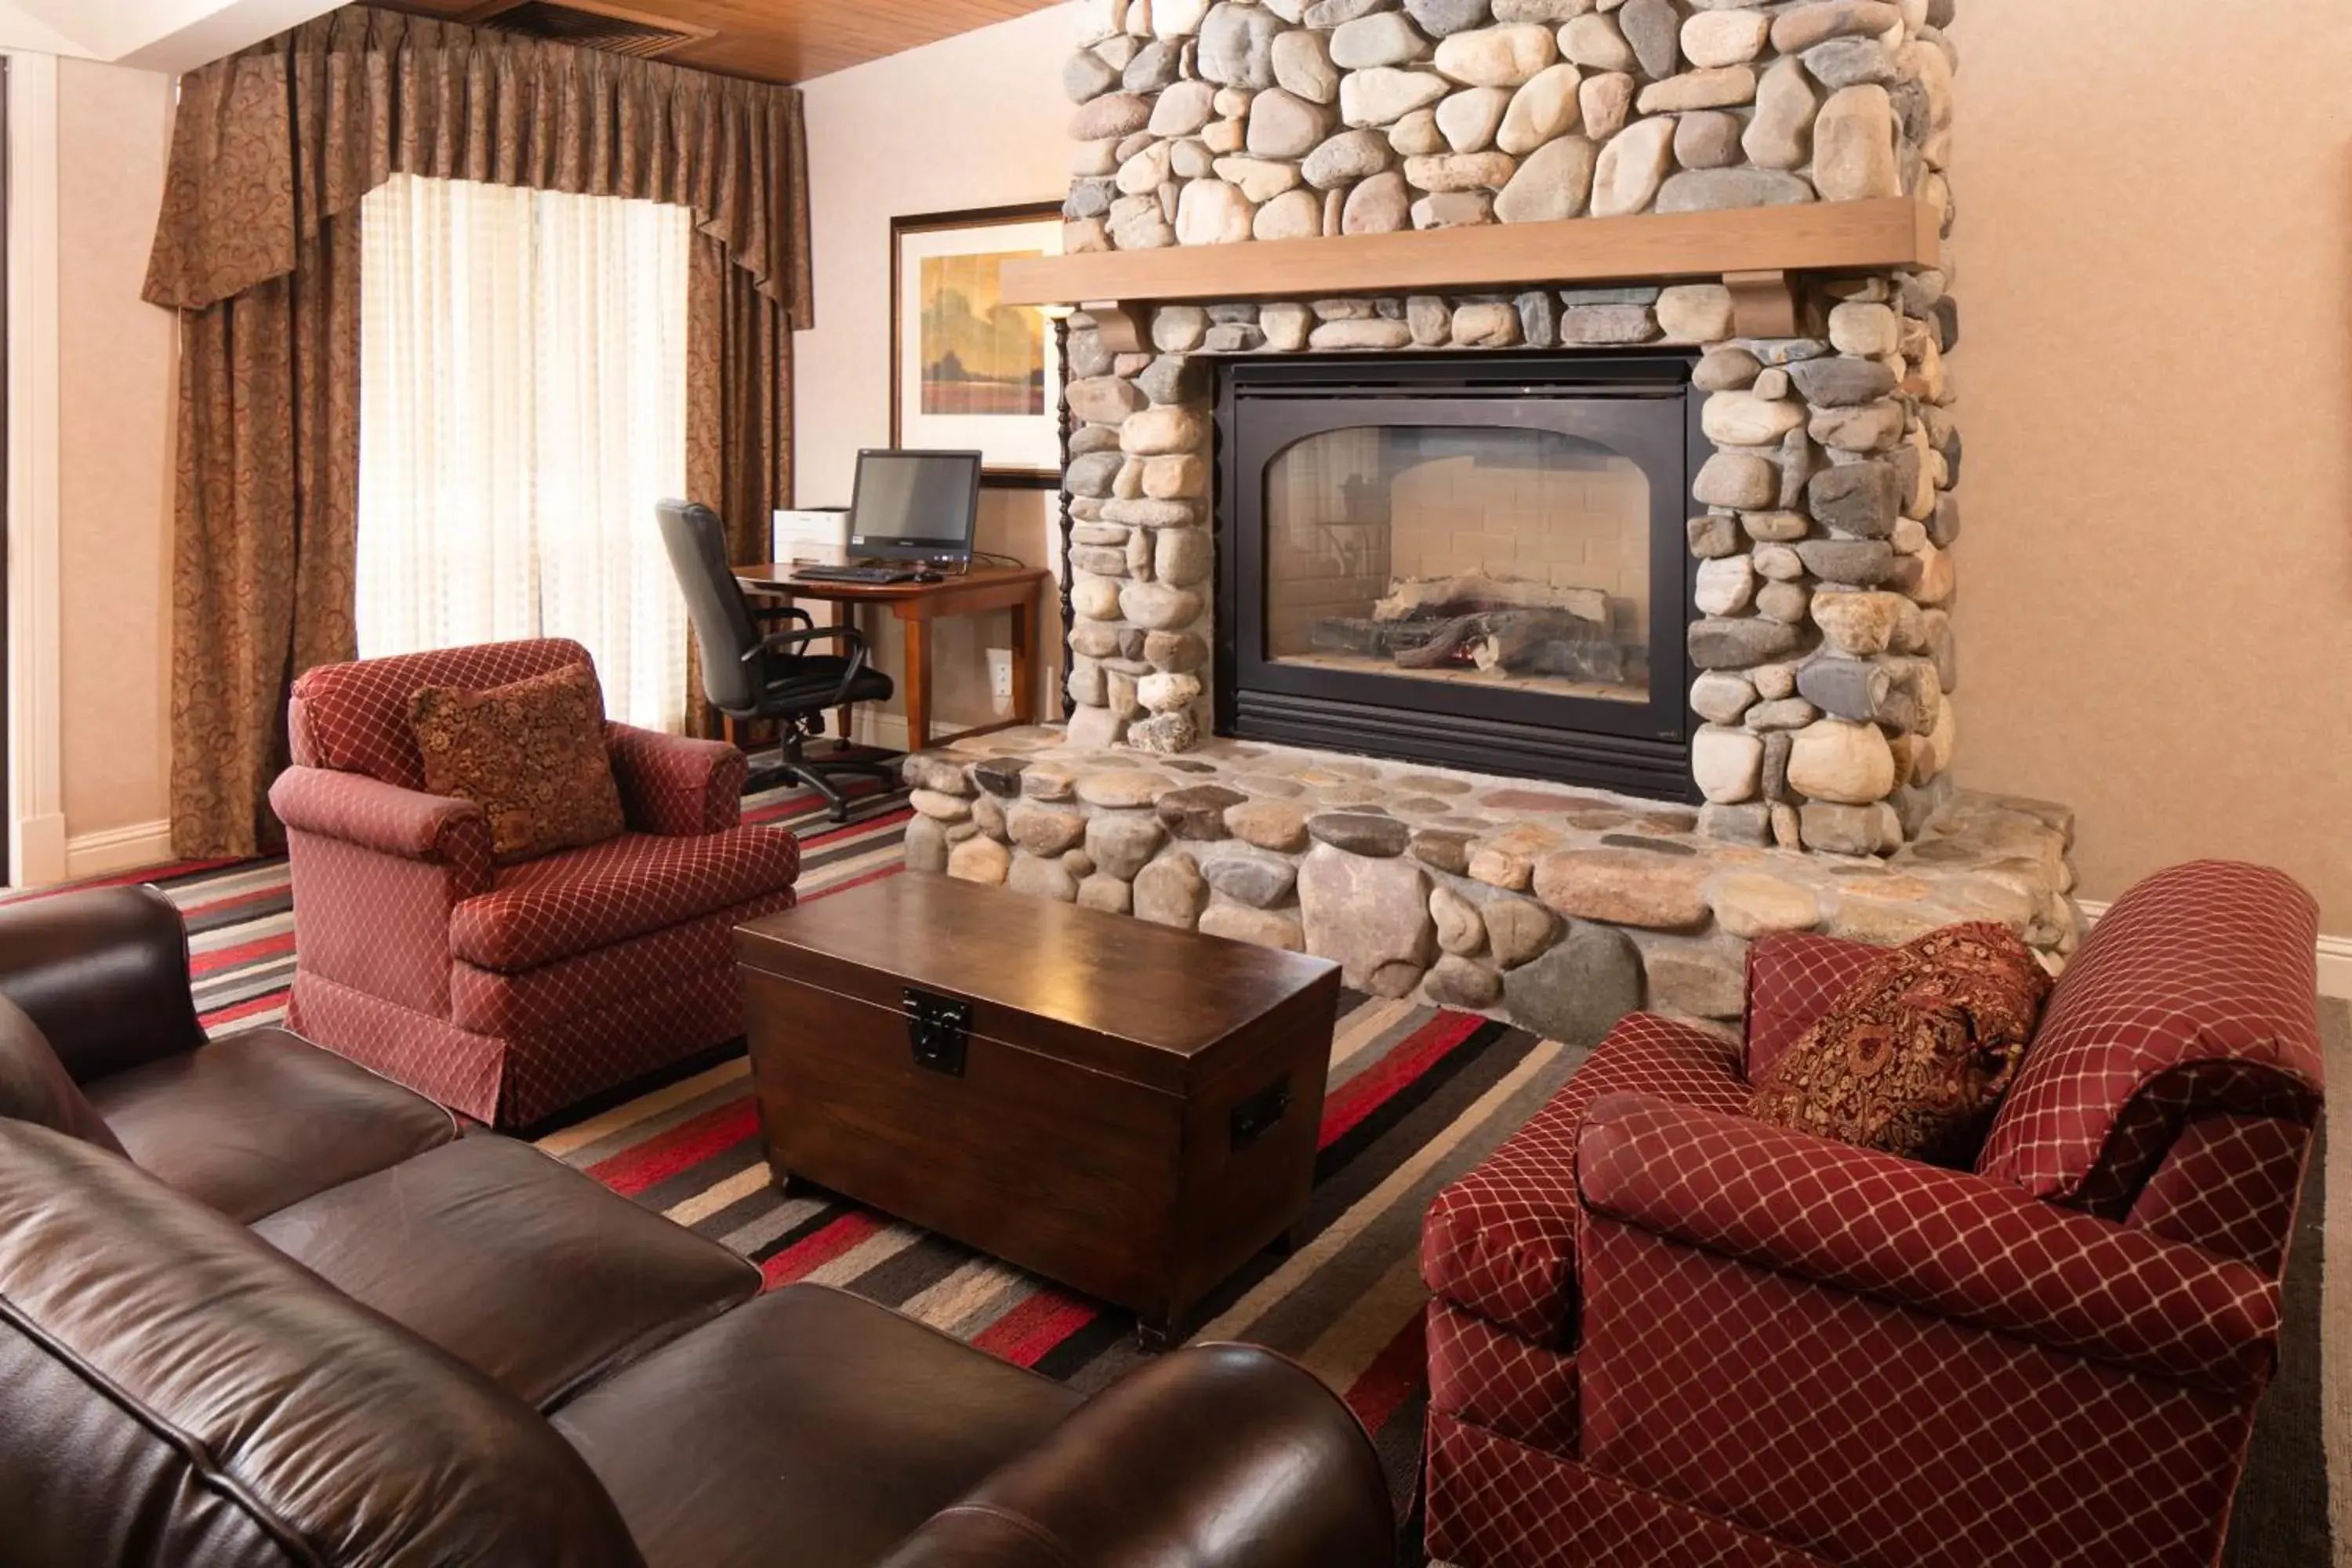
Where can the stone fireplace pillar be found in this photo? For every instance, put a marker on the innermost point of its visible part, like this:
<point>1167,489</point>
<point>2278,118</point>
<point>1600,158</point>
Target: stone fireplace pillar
<point>1824,522</point>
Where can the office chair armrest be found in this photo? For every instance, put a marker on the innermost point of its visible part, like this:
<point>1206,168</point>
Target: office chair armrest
<point>851,636</point>
<point>781,613</point>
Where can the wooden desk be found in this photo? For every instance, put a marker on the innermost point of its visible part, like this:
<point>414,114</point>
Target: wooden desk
<point>1020,589</point>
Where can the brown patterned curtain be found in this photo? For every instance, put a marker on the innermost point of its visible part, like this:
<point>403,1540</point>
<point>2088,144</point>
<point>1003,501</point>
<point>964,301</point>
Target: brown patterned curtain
<point>258,249</point>
<point>739,415</point>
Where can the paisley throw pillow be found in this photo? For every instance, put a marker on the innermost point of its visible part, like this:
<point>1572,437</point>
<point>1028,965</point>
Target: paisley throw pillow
<point>531,754</point>
<point>1914,1057</point>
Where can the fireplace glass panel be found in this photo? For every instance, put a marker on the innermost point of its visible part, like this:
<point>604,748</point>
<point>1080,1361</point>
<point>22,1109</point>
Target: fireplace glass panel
<point>1509,558</point>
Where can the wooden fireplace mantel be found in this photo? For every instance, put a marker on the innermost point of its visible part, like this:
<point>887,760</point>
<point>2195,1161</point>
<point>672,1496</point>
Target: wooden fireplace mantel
<point>1754,250</point>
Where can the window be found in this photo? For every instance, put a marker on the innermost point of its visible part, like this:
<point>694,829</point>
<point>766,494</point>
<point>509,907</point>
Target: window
<point>522,406</point>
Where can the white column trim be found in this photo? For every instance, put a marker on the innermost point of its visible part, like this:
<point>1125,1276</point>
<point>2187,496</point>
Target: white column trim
<point>36,822</point>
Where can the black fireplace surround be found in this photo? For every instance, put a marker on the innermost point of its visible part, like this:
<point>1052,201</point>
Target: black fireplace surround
<point>1440,671</point>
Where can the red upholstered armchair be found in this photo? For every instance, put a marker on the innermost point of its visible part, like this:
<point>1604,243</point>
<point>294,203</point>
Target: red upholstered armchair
<point>1664,1333</point>
<point>510,992</point>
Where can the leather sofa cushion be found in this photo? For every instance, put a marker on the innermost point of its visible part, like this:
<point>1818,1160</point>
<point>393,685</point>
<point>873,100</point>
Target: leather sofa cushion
<point>1501,1241</point>
<point>175,1391</point>
<point>262,1118</point>
<point>531,754</point>
<point>809,1427</point>
<point>514,1263</point>
<point>35,1086</point>
<point>582,899</point>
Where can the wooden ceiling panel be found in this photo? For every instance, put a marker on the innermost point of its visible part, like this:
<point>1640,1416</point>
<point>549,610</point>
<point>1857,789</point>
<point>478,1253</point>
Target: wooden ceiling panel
<point>791,40</point>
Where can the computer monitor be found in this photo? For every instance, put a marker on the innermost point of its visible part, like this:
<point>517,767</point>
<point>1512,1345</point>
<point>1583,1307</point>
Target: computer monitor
<point>914,506</point>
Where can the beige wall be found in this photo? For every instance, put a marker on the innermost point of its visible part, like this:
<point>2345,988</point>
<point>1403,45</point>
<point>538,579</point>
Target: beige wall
<point>116,370</point>
<point>972,122</point>
<point>2156,377</point>
<point>2155,607</point>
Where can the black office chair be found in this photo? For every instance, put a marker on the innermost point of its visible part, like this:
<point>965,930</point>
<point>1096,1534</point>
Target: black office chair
<point>748,674</point>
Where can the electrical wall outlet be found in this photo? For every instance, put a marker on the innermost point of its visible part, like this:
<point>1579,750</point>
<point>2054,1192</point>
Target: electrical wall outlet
<point>1000,679</point>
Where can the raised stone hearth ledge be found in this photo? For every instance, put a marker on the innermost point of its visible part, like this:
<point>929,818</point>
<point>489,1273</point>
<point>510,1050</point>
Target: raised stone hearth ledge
<point>1558,908</point>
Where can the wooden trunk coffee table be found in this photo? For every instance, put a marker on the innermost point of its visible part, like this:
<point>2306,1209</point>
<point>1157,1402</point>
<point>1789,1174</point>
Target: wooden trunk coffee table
<point>1124,1108</point>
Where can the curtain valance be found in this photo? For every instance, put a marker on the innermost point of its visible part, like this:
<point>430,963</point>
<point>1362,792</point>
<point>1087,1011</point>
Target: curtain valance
<point>273,142</point>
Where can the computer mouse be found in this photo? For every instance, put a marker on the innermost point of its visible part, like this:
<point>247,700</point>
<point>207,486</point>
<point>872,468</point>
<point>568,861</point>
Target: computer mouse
<point>925,575</point>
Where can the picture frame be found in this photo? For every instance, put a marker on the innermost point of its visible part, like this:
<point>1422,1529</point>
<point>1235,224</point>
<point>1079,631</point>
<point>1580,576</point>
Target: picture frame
<point>966,371</point>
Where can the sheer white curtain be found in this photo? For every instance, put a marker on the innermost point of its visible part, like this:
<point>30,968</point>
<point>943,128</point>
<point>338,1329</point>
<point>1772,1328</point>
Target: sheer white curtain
<point>522,406</point>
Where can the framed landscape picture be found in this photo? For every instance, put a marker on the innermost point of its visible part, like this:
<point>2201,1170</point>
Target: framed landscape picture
<point>968,371</point>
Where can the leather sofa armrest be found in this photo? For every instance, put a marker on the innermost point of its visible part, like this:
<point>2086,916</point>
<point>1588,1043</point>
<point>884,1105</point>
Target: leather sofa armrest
<point>1212,1455</point>
<point>674,785</point>
<point>1949,1243</point>
<point>1793,978</point>
<point>104,973</point>
<point>352,808</point>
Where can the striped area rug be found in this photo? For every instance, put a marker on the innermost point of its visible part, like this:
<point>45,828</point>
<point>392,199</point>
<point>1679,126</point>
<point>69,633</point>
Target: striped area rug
<point>1417,1096</point>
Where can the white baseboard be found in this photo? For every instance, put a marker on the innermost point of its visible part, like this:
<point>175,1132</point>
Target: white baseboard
<point>37,850</point>
<point>889,730</point>
<point>2335,954</point>
<point>129,849</point>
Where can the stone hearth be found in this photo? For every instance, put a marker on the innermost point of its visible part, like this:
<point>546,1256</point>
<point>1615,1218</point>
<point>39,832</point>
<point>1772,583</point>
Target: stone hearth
<point>1559,908</point>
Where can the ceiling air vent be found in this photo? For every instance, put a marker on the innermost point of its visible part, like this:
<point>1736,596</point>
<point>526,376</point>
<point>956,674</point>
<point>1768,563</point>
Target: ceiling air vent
<point>590,26</point>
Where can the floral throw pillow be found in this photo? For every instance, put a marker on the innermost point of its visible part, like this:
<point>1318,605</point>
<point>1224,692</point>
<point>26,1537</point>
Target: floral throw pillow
<point>531,754</point>
<point>1914,1057</point>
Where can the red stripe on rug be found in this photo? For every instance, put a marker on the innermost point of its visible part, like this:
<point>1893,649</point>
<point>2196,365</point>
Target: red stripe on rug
<point>1393,1376</point>
<point>806,800</point>
<point>131,878</point>
<point>245,1009</point>
<point>1372,1089</point>
<point>275,893</point>
<point>817,1248</point>
<point>220,958</point>
<point>857,881</point>
<point>1024,1335</point>
<point>688,1144</point>
<point>886,819</point>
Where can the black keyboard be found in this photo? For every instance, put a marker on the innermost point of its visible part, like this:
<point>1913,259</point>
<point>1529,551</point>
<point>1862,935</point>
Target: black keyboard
<point>821,573</point>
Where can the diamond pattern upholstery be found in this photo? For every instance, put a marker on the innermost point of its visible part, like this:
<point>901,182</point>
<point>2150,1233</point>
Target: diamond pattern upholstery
<point>1664,1333</point>
<point>2192,994</point>
<point>1501,1241</point>
<point>1940,1241</point>
<point>1869,1434</point>
<point>1498,1380</point>
<point>1502,1504</point>
<point>2223,1185</point>
<point>673,785</point>
<point>1793,978</point>
<point>509,992</point>
<point>577,901</point>
<point>354,717</point>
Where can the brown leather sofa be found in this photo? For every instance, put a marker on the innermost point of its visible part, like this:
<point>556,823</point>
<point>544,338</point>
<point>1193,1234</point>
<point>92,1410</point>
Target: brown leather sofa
<point>259,1306</point>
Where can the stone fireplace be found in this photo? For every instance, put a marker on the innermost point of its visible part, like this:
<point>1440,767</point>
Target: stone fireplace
<point>1818,524</point>
<point>1468,560</point>
<point>1471,398</point>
